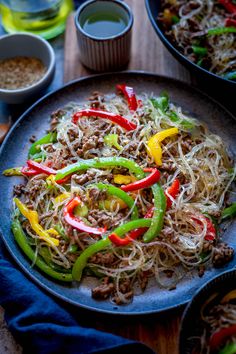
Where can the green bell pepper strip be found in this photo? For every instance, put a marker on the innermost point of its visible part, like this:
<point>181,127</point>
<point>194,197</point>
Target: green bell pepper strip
<point>39,156</point>
<point>175,19</point>
<point>112,140</point>
<point>82,260</point>
<point>230,76</point>
<point>15,171</point>
<point>73,248</point>
<point>35,147</point>
<point>60,229</point>
<point>158,213</point>
<point>104,243</point>
<point>162,103</point>
<point>228,349</point>
<point>200,51</point>
<point>220,30</point>
<point>102,162</point>
<point>22,242</point>
<point>183,123</point>
<point>229,212</point>
<point>112,190</point>
<point>47,258</point>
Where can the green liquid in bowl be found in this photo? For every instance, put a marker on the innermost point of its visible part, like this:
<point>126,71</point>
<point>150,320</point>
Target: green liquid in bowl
<point>103,25</point>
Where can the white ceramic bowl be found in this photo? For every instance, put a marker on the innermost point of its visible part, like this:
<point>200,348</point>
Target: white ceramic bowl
<point>29,45</point>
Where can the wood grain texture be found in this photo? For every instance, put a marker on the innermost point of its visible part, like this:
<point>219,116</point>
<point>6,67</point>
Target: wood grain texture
<point>148,54</point>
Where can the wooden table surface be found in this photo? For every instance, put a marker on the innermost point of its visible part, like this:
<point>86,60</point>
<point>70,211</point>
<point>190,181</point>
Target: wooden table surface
<point>148,54</point>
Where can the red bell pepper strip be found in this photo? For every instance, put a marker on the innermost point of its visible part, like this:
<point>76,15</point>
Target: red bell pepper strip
<point>64,180</point>
<point>41,168</point>
<point>220,336</point>
<point>26,171</point>
<point>133,235</point>
<point>146,182</point>
<point>115,118</point>
<point>36,168</point>
<point>75,222</point>
<point>229,22</point>
<point>210,229</point>
<point>130,96</point>
<point>140,103</point>
<point>229,6</point>
<point>173,190</point>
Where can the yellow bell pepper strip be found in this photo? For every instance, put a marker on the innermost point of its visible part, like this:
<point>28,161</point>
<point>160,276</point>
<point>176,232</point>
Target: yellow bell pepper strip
<point>60,198</point>
<point>153,144</point>
<point>33,218</point>
<point>112,203</point>
<point>52,231</point>
<point>112,140</point>
<point>121,179</point>
<point>22,242</point>
<point>112,190</point>
<point>228,297</point>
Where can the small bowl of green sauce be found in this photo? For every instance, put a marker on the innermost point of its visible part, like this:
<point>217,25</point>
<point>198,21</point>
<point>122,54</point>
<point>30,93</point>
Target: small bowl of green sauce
<point>104,34</point>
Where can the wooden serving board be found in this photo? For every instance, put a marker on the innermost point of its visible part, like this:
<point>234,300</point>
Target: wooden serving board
<point>148,54</point>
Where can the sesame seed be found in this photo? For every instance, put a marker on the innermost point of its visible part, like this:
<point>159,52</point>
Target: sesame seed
<point>20,72</point>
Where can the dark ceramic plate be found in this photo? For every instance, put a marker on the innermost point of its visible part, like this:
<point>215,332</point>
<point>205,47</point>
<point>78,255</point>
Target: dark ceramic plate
<point>153,9</point>
<point>36,121</point>
<point>191,325</point>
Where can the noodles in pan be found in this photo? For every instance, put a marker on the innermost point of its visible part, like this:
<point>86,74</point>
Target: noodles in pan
<point>204,31</point>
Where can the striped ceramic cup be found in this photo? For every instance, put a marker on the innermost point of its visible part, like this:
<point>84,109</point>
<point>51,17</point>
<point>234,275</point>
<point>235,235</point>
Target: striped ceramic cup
<point>104,34</point>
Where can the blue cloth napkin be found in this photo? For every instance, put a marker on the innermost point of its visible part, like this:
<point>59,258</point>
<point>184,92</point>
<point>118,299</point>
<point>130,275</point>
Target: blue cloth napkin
<point>43,326</point>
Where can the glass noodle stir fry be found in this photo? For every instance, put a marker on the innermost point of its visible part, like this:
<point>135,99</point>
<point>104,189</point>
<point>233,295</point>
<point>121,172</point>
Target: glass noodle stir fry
<point>126,189</point>
<point>218,316</point>
<point>204,31</point>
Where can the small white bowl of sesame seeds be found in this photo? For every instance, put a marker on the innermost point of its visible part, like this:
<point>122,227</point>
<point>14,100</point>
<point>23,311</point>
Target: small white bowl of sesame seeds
<point>27,66</point>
